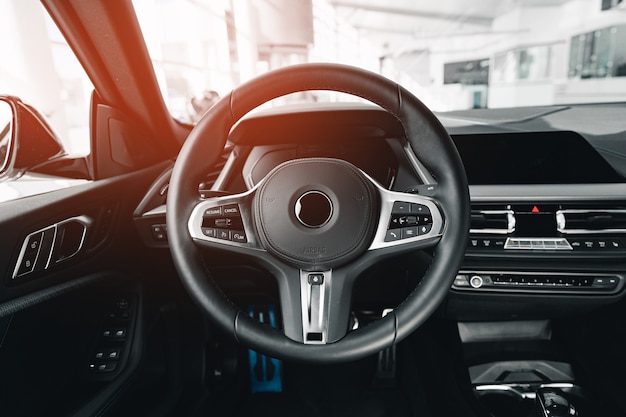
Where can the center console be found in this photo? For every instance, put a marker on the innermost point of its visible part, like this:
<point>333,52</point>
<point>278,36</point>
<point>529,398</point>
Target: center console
<point>542,248</point>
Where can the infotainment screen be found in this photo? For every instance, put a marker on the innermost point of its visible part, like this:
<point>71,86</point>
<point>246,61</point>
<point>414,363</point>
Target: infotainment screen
<point>532,158</point>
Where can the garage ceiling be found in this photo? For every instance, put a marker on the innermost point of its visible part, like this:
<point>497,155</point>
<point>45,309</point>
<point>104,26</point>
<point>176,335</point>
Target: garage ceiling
<point>395,24</point>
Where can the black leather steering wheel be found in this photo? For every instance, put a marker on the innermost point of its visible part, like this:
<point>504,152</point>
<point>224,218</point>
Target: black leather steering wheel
<point>316,224</point>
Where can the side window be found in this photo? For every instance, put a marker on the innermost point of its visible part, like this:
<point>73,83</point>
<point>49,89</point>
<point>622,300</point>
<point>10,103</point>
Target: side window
<point>36,47</point>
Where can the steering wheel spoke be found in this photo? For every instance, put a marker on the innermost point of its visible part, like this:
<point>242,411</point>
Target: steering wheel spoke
<point>325,306</point>
<point>224,222</point>
<point>408,220</point>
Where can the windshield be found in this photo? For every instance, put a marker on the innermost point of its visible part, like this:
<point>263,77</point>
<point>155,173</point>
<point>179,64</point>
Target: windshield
<point>452,54</point>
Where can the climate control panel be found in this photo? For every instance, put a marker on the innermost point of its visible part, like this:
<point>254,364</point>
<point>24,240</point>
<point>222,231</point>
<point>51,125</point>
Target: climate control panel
<point>537,282</point>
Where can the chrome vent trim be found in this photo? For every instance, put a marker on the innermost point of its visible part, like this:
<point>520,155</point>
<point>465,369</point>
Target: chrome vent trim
<point>507,216</point>
<point>599,215</point>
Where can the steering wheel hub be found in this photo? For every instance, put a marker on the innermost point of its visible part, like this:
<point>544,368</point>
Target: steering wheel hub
<point>316,213</point>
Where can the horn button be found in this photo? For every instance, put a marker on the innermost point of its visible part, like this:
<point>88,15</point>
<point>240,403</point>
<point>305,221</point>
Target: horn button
<point>316,213</point>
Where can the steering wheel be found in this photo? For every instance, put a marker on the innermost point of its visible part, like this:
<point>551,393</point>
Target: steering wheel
<point>317,223</point>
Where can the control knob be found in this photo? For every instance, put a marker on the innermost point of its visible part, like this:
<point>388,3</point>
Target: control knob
<point>476,281</point>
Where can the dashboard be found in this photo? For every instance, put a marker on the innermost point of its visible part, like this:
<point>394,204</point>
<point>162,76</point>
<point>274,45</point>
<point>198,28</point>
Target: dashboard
<point>548,194</point>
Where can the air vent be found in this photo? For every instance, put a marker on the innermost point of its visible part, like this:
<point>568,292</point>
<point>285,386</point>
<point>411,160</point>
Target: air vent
<point>591,221</point>
<point>499,222</point>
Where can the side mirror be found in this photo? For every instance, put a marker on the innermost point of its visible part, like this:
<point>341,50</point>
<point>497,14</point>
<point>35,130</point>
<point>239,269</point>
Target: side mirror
<point>6,135</point>
<point>26,138</point>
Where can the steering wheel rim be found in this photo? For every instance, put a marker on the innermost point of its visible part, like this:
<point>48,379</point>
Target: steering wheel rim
<point>427,138</point>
